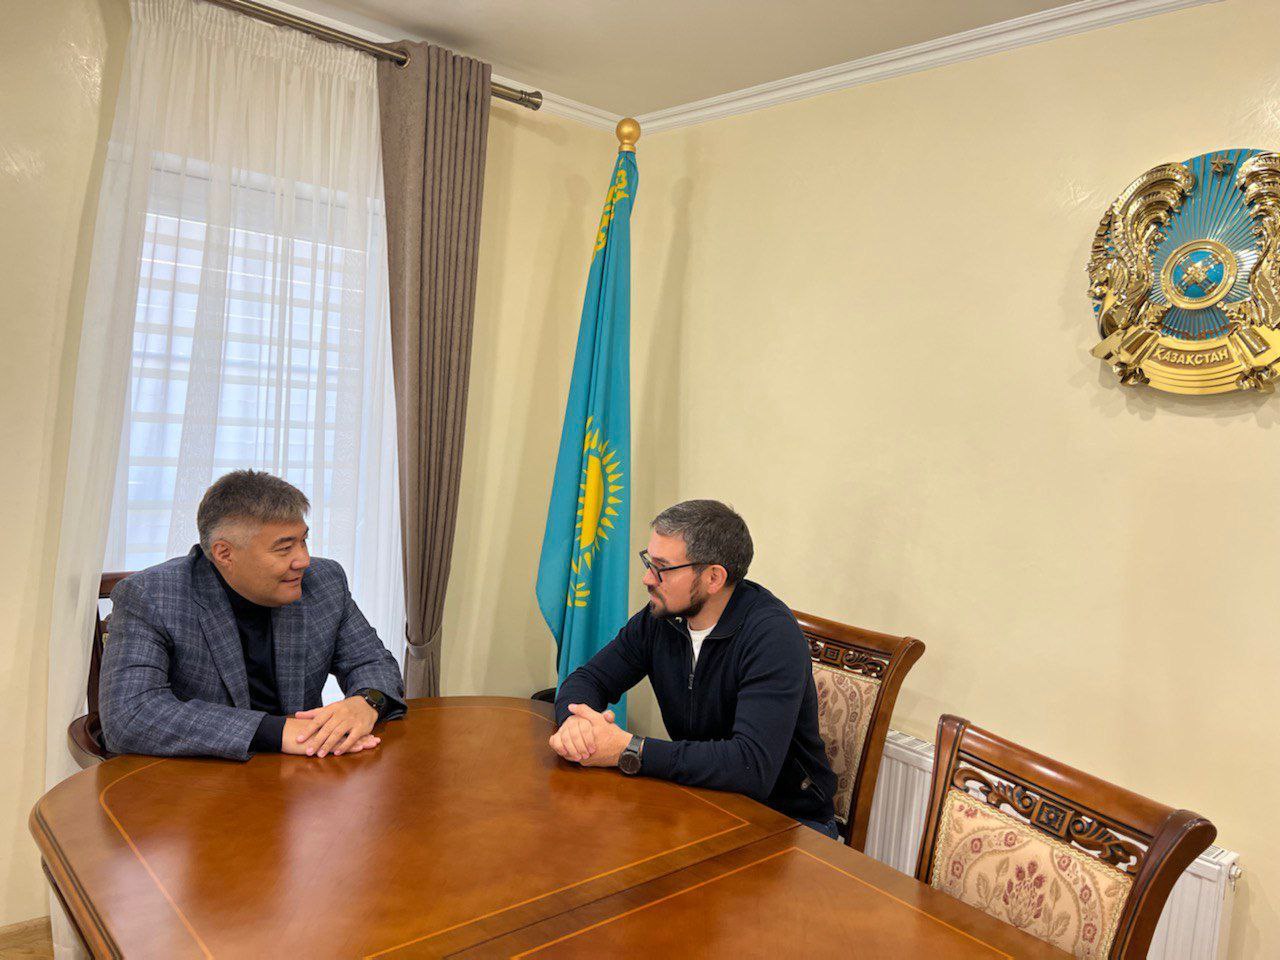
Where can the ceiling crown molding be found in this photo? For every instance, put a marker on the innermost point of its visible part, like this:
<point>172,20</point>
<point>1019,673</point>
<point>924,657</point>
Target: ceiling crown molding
<point>559,106</point>
<point>1077,17</point>
<point>1062,21</point>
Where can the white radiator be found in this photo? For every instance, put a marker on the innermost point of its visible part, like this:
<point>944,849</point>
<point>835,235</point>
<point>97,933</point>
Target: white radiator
<point>1196,919</point>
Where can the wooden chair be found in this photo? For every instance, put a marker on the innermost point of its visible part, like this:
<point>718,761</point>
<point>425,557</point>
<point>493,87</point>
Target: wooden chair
<point>858,674</point>
<point>84,735</point>
<point>1066,857</point>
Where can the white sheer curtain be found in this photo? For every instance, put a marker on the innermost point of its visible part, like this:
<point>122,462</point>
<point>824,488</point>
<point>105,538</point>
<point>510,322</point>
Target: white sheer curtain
<point>236,316</point>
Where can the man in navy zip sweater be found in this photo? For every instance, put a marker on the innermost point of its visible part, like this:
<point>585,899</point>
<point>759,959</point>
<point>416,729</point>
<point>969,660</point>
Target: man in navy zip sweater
<point>730,669</point>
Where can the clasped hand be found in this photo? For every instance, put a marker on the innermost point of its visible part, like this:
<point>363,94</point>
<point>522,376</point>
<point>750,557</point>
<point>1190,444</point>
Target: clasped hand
<point>341,727</point>
<point>590,738</point>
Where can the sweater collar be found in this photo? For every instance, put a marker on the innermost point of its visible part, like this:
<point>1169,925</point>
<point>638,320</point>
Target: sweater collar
<point>241,606</point>
<point>735,611</point>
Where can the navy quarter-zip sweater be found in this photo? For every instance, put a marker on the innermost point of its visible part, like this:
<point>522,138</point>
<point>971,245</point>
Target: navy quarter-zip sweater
<point>745,719</point>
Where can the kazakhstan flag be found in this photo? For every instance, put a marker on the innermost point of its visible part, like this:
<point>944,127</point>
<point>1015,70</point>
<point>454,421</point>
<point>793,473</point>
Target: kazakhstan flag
<point>584,570</point>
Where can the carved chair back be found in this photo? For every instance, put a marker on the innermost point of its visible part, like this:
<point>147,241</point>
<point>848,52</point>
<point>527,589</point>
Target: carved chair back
<point>858,674</point>
<point>1076,861</point>
<point>84,735</point>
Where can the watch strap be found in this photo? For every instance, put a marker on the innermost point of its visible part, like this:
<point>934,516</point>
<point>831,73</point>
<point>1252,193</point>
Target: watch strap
<point>632,754</point>
<point>374,698</point>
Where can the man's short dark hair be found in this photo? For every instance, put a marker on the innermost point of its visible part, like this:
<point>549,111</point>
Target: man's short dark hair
<point>712,533</point>
<point>253,495</point>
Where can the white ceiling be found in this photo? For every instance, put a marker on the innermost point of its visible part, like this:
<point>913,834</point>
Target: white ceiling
<point>635,57</point>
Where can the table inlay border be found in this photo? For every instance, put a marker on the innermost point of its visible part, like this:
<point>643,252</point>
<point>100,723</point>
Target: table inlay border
<point>102,801</point>
<point>569,886</point>
<point>747,866</point>
<point>909,906</point>
<point>646,906</point>
<point>208,954</point>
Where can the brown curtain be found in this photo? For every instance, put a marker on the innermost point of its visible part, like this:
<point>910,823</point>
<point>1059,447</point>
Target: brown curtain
<point>435,121</point>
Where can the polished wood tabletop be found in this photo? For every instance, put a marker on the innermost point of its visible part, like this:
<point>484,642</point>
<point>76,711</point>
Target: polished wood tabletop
<point>463,833</point>
<point>796,894</point>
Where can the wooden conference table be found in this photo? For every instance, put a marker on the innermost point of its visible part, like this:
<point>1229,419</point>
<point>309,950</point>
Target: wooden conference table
<point>462,834</point>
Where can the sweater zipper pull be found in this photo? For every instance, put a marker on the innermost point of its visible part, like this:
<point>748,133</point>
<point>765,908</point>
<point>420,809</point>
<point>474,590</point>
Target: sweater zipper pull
<point>690,681</point>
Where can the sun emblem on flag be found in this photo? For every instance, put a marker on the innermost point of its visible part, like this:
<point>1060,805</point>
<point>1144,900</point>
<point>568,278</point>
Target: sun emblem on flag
<point>598,499</point>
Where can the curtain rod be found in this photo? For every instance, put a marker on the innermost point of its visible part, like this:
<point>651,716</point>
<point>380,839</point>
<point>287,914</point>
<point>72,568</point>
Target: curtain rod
<point>532,99</point>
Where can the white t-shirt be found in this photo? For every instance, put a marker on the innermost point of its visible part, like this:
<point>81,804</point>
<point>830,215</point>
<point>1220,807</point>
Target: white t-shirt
<point>697,636</point>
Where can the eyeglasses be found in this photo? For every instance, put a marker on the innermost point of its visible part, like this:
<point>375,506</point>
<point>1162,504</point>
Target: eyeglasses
<point>659,571</point>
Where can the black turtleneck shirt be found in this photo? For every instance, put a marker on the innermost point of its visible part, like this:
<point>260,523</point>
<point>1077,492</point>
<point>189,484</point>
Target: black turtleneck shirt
<point>254,623</point>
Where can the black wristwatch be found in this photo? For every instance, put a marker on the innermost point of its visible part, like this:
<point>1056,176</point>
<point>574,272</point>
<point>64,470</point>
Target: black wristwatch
<point>374,698</point>
<point>629,762</point>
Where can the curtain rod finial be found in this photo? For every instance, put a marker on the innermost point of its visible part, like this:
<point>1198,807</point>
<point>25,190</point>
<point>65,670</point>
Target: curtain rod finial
<point>628,133</point>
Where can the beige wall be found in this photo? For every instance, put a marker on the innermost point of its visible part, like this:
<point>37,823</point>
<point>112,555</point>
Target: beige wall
<point>56,59</point>
<point>544,186</point>
<point>876,301</point>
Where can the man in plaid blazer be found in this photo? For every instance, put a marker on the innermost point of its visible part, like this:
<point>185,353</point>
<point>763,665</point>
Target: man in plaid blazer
<point>225,652</point>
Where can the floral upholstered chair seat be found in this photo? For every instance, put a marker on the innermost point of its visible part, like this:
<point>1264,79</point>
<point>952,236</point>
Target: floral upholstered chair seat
<point>1048,888</point>
<point>846,702</point>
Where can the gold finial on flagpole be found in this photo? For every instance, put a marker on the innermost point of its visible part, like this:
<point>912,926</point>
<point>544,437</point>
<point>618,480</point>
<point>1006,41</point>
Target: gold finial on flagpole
<point>628,133</point>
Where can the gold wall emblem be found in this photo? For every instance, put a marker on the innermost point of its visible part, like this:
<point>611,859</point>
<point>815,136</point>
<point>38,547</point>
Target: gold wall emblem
<point>1185,275</point>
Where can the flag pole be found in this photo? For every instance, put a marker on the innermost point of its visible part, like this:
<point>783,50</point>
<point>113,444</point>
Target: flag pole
<point>628,132</point>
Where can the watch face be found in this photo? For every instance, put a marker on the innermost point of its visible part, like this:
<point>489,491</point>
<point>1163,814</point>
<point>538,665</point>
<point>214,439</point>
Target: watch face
<point>629,763</point>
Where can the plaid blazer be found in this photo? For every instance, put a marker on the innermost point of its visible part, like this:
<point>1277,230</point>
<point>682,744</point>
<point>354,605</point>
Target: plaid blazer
<point>173,679</point>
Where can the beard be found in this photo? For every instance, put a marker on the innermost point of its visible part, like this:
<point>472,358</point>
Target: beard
<point>697,600</point>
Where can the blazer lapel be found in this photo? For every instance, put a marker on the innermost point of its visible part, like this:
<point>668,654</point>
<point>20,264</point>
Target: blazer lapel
<point>220,633</point>
<point>289,635</point>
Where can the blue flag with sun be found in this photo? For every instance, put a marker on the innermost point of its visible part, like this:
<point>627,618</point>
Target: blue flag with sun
<point>584,570</point>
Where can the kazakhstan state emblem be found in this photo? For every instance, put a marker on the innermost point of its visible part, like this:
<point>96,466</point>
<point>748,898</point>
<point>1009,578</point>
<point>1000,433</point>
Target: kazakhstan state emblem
<point>1185,275</point>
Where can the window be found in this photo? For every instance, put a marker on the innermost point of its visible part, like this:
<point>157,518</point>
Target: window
<point>261,340</point>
